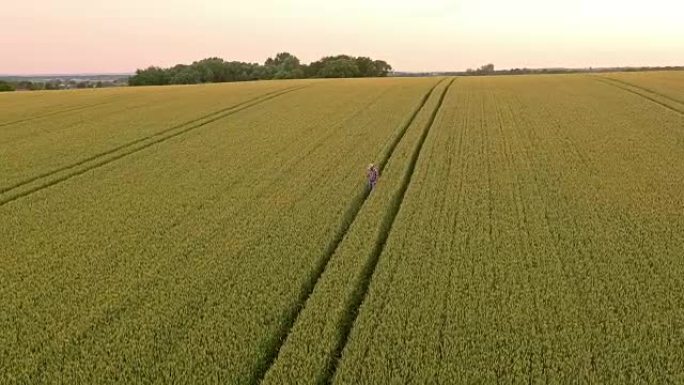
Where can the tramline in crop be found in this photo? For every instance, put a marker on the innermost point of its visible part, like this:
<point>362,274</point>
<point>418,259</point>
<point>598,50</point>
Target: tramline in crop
<point>523,229</point>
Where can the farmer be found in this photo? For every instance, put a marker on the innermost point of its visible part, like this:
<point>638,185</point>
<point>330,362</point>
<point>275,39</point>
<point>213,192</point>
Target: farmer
<point>373,175</point>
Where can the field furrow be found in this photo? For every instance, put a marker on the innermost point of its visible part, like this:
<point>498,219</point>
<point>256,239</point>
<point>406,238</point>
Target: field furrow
<point>539,271</point>
<point>117,119</point>
<point>662,100</point>
<point>524,229</point>
<point>37,116</point>
<point>668,84</point>
<point>312,349</point>
<point>39,182</point>
<point>203,242</point>
<point>349,218</point>
<point>644,89</point>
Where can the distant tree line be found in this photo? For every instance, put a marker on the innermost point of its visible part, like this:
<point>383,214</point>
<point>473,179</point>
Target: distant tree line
<point>56,84</point>
<point>488,69</point>
<point>283,66</point>
<point>531,71</point>
<point>6,86</point>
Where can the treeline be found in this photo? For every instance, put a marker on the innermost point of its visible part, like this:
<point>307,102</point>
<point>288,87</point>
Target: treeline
<point>6,86</point>
<point>488,69</point>
<point>283,66</point>
<point>57,84</point>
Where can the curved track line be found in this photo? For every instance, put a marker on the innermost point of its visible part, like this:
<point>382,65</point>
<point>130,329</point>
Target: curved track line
<point>134,150</point>
<point>48,114</point>
<point>6,189</point>
<point>643,95</point>
<point>645,89</point>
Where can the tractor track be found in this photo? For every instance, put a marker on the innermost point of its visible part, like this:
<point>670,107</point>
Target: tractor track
<point>114,314</point>
<point>130,148</point>
<point>55,130</point>
<point>347,220</point>
<point>131,143</point>
<point>53,113</point>
<point>387,224</point>
<point>623,86</point>
<point>645,89</point>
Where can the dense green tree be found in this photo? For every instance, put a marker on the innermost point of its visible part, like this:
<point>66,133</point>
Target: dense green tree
<point>366,66</point>
<point>340,67</point>
<point>5,87</point>
<point>382,68</point>
<point>486,69</point>
<point>184,74</point>
<point>52,85</point>
<point>283,66</point>
<point>313,70</point>
<point>149,76</point>
<point>211,70</point>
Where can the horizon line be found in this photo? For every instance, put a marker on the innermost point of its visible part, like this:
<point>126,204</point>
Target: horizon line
<point>65,74</point>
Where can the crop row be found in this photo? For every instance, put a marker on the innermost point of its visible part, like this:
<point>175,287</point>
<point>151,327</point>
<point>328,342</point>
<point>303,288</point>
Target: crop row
<point>668,85</point>
<point>311,350</point>
<point>529,248</point>
<point>524,230</point>
<point>92,123</point>
<point>180,263</point>
<point>61,174</point>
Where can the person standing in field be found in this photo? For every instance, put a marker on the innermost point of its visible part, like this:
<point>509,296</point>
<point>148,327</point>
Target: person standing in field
<point>373,175</point>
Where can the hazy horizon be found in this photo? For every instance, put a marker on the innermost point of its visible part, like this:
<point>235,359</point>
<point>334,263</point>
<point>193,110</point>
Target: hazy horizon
<point>78,37</point>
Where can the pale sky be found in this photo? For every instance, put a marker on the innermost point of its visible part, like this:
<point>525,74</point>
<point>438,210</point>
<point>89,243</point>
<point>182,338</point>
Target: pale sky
<point>93,36</point>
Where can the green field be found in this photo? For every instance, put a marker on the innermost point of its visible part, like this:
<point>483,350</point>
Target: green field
<point>525,229</point>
